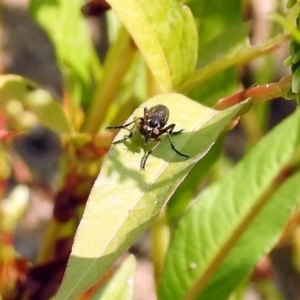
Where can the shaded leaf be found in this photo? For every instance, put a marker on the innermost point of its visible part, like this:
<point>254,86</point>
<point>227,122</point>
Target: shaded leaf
<point>188,188</point>
<point>211,18</point>
<point>219,33</point>
<point>229,215</point>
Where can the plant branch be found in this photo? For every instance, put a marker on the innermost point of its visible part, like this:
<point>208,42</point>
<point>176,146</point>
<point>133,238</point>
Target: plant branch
<point>258,94</point>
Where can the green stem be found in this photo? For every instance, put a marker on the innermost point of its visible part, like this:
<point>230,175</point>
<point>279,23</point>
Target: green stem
<point>268,290</point>
<point>217,66</point>
<point>240,291</point>
<point>116,65</point>
<point>47,248</point>
<point>160,234</point>
<point>252,128</point>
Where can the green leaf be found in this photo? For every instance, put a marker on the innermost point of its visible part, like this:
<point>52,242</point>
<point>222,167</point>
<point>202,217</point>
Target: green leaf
<point>188,188</point>
<point>229,216</point>
<point>67,29</point>
<point>18,96</point>
<point>290,3</point>
<point>269,223</point>
<point>121,285</point>
<point>211,19</point>
<point>230,42</point>
<point>124,200</point>
<point>219,34</point>
<point>222,81</point>
<point>166,35</point>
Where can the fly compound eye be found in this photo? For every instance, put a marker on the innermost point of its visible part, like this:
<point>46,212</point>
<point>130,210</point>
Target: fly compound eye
<point>153,123</point>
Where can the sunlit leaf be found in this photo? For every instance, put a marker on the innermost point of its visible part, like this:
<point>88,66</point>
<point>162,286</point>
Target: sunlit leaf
<point>165,33</point>
<point>67,29</point>
<point>125,200</point>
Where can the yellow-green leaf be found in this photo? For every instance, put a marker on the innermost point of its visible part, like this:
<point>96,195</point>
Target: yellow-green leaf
<point>19,97</point>
<point>124,200</point>
<point>121,285</point>
<point>165,33</point>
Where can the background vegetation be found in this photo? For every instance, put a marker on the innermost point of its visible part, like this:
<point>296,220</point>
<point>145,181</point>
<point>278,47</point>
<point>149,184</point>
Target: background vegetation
<point>218,229</point>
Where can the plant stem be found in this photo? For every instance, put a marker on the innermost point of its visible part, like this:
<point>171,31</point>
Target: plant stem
<point>217,66</point>
<point>116,65</point>
<point>251,127</point>
<point>46,250</point>
<point>160,233</point>
<point>258,94</point>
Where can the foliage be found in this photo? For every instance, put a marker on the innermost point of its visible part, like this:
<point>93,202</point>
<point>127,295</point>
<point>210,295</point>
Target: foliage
<point>205,224</point>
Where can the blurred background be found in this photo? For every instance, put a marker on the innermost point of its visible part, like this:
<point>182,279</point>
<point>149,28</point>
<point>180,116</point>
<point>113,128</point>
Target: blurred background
<point>27,51</point>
